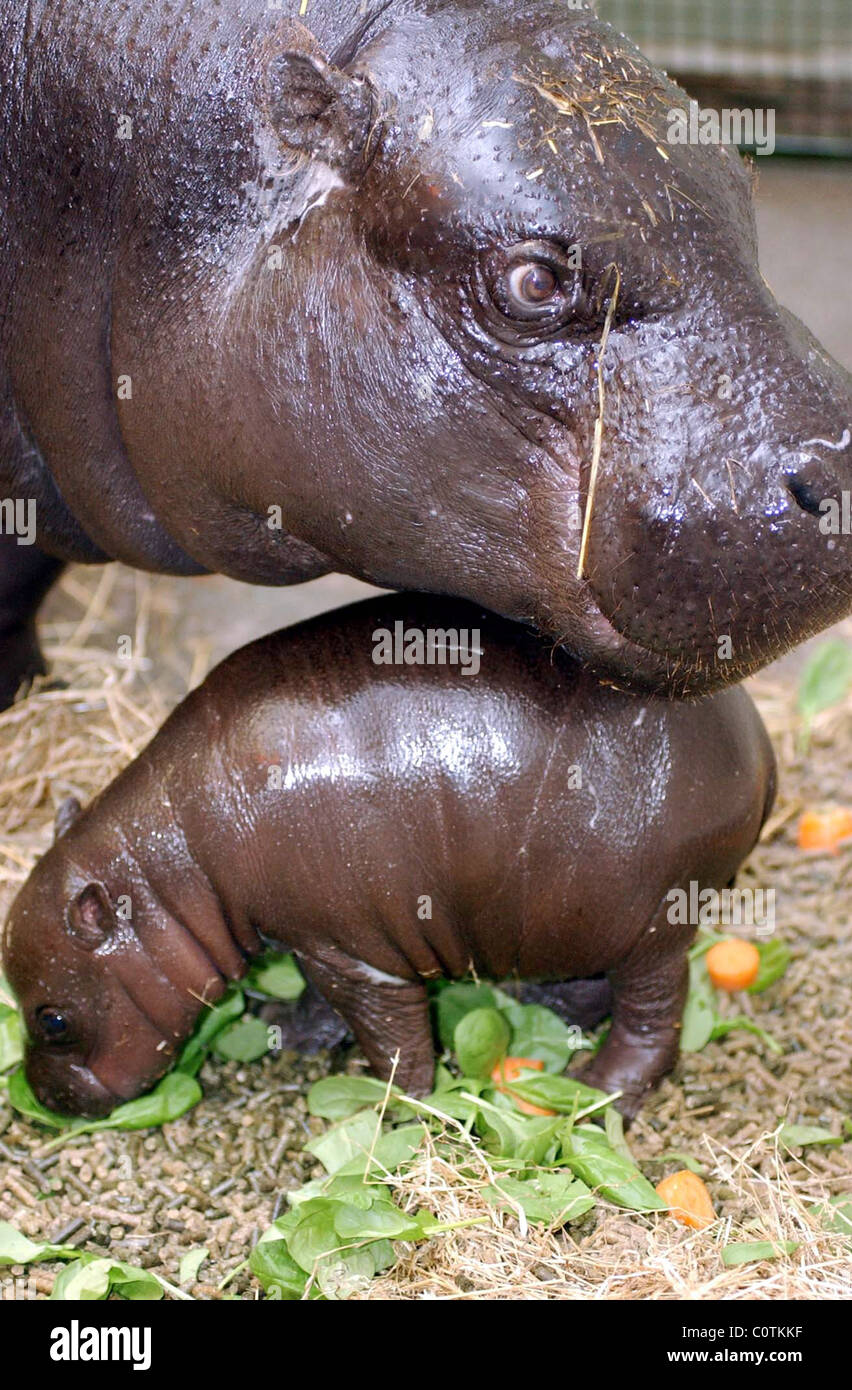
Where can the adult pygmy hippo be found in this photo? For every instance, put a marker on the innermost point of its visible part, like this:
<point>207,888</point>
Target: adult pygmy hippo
<point>428,294</point>
<point>391,824</point>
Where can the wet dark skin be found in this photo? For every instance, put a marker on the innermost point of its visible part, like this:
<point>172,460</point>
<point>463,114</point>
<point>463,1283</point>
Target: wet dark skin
<point>389,785</point>
<point>333,264</point>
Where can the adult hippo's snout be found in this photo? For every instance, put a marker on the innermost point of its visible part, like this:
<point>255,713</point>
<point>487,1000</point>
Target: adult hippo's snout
<point>740,548</point>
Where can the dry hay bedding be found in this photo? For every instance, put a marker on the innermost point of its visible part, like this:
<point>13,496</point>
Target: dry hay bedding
<point>218,1176</point>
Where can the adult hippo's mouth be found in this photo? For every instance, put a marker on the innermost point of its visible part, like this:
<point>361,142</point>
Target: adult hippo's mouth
<point>628,664</point>
<point>689,671</point>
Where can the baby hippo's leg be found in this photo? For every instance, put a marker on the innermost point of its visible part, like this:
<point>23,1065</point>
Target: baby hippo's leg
<point>649,993</point>
<point>386,1014</point>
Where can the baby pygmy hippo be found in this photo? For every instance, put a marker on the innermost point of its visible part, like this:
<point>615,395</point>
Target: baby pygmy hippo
<point>490,810</point>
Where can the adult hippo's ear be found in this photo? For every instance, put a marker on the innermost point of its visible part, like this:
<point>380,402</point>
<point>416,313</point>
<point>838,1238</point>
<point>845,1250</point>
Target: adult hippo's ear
<point>90,917</point>
<point>320,110</point>
<point>66,813</point>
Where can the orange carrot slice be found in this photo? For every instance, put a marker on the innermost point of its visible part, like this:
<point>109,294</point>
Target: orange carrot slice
<point>687,1199</point>
<point>822,832</point>
<point>511,1067</point>
<point>733,964</point>
<point>509,1070</point>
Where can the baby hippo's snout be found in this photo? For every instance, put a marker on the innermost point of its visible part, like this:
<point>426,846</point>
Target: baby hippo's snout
<point>68,1087</point>
<point>84,960</point>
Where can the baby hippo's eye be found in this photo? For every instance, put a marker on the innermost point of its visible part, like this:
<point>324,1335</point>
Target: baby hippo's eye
<point>532,284</point>
<point>53,1025</point>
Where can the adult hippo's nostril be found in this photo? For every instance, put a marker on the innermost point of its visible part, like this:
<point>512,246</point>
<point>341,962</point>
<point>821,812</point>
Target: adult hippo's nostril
<point>805,494</point>
<point>808,493</point>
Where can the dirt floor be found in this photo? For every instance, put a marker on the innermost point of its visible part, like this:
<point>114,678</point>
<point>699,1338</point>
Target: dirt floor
<point>217,1177</point>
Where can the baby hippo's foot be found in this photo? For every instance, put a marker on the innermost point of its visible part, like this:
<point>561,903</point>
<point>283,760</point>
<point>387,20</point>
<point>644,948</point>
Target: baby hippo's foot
<point>581,1003</point>
<point>307,1024</point>
<point>649,992</point>
<point>633,1068</point>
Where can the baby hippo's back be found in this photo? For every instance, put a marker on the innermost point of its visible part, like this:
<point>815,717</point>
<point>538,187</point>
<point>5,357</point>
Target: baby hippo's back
<point>431,790</point>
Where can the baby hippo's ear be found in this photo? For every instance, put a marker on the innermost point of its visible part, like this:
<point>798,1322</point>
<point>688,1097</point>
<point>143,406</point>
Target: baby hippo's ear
<point>66,813</point>
<point>90,918</point>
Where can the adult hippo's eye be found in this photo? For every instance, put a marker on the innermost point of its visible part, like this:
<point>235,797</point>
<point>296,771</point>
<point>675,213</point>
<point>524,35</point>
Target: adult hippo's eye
<point>532,284</point>
<point>53,1025</point>
<point>527,293</point>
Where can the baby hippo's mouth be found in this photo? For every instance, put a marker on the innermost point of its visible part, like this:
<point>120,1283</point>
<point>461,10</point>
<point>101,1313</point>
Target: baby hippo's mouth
<point>69,1087</point>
